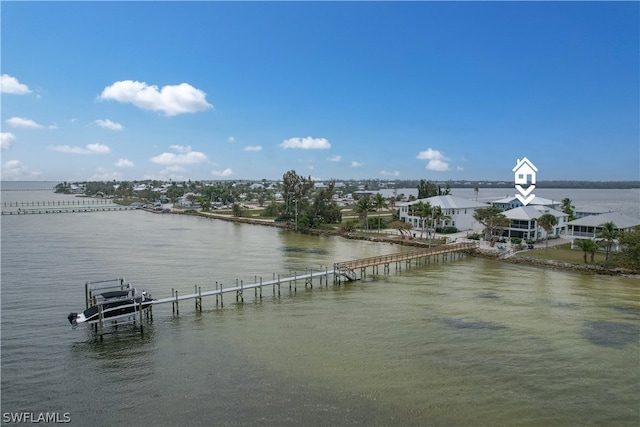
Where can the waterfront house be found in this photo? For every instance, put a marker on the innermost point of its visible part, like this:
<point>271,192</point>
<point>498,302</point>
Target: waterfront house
<point>588,227</point>
<point>524,222</point>
<point>458,210</point>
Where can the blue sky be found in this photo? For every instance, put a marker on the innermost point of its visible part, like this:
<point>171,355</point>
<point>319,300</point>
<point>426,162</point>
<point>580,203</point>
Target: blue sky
<point>332,90</point>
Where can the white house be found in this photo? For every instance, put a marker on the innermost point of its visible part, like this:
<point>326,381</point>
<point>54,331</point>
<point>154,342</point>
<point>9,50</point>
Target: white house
<point>459,210</point>
<point>524,222</point>
<point>589,226</point>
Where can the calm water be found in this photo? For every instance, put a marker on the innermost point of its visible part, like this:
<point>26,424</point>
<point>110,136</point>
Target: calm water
<point>469,342</point>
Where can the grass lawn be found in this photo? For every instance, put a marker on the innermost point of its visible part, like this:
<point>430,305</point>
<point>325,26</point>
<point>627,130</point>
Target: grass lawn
<point>563,253</point>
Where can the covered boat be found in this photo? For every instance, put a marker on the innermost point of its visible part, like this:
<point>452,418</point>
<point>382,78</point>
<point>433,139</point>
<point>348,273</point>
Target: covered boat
<point>107,305</point>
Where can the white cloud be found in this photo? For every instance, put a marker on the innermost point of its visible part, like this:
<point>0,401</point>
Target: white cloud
<point>96,148</point>
<point>10,84</point>
<point>437,160</point>
<point>431,154</point>
<point>224,173</point>
<point>307,143</point>
<point>253,148</point>
<point>437,165</point>
<point>21,122</point>
<point>232,139</point>
<point>185,156</point>
<point>459,168</point>
<point>6,140</point>
<point>13,170</point>
<point>387,173</point>
<point>108,124</point>
<point>355,164</point>
<point>171,99</point>
<point>124,163</point>
<point>53,126</point>
<point>335,158</point>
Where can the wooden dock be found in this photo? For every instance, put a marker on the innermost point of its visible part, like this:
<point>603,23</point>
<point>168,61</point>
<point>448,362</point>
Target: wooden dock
<point>349,269</point>
<point>240,287</point>
<point>62,206</point>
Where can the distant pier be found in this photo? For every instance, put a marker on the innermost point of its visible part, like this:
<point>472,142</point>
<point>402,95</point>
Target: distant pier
<point>61,206</point>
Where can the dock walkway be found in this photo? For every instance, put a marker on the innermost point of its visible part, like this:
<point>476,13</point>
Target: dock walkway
<point>240,287</point>
<point>348,268</point>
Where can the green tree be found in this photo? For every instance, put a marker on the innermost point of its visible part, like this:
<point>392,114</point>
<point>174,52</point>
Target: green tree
<point>422,210</point>
<point>237,210</point>
<point>204,202</point>
<point>428,189</point>
<point>295,189</point>
<point>608,234</point>
<point>547,222</point>
<point>587,246</point>
<point>379,203</point>
<point>271,210</point>
<point>568,208</point>
<point>323,210</point>
<point>629,255</point>
<point>493,220</point>
<point>362,209</point>
<point>476,190</point>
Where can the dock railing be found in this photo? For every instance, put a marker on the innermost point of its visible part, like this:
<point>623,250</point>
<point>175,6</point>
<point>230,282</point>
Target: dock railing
<point>348,268</point>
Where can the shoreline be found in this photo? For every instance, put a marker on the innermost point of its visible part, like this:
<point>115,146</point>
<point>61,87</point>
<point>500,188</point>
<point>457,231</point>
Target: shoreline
<point>483,253</point>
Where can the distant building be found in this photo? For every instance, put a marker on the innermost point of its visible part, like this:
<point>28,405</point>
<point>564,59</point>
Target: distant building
<point>582,212</point>
<point>512,202</point>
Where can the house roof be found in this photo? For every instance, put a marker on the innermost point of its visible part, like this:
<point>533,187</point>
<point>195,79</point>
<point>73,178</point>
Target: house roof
<point>591,210</point>
<point>620,220</point>
<point>531,212</point>
<point>450,202</point>
<point>536,201</point>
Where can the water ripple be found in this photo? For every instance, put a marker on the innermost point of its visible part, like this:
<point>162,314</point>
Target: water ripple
<point>470,324</point>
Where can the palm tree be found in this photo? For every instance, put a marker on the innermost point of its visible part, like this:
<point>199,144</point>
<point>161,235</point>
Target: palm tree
<point>547,222</point>
<point>609,234</point>
<point>587,246</point>
<point>379,203</point>
<point>421,210</point>
<point>362,208</point>
<point>437,216</point>
<point>568,208</point>
<point>476,190</point>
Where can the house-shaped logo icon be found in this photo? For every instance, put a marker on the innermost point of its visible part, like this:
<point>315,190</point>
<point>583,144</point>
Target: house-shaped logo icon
<point>525,174</point>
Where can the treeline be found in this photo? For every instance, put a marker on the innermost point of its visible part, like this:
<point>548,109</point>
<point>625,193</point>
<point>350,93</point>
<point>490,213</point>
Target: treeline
<point>623,185</point>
